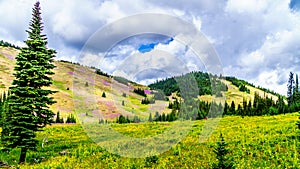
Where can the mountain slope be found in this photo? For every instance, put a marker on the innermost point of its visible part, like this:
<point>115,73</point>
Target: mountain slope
<point>223,88</point>
<point>234,94</point>
<point>80,91</point>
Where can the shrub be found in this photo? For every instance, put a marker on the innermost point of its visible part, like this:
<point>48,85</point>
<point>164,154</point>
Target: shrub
<point>151,160</point>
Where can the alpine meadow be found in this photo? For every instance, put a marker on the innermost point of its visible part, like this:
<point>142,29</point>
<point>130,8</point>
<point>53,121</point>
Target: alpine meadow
<point>75,98</point>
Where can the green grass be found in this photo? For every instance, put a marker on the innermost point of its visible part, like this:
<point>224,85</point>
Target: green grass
<point>137,103</point>
<point>255,142</point>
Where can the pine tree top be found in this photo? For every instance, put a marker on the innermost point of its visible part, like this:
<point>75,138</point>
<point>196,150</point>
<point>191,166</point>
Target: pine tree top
<point>36,25</point>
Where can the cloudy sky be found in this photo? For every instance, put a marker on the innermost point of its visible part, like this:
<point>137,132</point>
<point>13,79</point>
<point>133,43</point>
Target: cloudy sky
<point>255,40</point>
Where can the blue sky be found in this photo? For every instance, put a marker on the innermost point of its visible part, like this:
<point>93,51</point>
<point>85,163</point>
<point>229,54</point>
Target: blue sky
<point>147,47</point>
<point>295,4</point>
<point>256,40</point>
<point>150,46</point>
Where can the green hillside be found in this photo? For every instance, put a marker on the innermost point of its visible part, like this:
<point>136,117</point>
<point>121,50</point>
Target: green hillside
<point>212,87</point>
<point>91,86</point>
<point>80,89</point>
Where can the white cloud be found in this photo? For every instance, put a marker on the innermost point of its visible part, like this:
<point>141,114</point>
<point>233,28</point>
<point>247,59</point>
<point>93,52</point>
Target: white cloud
<point>251,6</point>
<point>270,80</point>
<point>91,59</point>
<point>197,22</point>
<point>255,39</point>
<point>174,47</point>
<point>132,66</point>
<point>15,16</point>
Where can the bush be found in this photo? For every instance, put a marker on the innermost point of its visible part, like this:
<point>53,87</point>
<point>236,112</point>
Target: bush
<point>151,160</point>
<point>273,111</point>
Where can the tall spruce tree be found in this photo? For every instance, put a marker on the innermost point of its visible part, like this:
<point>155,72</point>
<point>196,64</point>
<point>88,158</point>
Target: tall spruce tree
<point>297,93</point>
<point>29,101</point>
<point>150,118</point>
<point>297,84</point>
<point>3,108</point>
<point>290,87</point>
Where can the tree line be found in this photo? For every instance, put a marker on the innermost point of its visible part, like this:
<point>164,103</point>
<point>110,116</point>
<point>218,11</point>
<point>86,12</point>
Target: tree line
<point>196,109</point>
<point>241,84</point>
<point>205,84</point>
<point>7,44</point>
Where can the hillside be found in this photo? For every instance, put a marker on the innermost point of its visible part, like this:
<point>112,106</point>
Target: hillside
<point>80,91</point>
<point>79,84</point>
<point>223,89</point>
<point>254,142</point>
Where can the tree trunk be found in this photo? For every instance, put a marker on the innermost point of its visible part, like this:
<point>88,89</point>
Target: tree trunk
<point>23,155</point>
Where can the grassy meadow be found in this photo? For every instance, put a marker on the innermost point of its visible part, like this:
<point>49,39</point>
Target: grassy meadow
<point>255,142</point>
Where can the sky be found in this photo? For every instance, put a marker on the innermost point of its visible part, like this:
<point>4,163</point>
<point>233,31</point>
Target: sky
<point>255,40</point>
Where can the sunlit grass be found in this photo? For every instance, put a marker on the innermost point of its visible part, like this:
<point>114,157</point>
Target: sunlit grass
<point>255,142</point>
<point>233,94</point>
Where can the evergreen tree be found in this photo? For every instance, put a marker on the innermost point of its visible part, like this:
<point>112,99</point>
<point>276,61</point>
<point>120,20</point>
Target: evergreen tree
<point>127,120</point>
<point>71,119</point>
<point>232,108</point>
<point>280,105</point>
<point>221,151</point>
<point>3,108</point>
<point>136,119</point>
<point>297,95</point>
<point>156,115</point>
<point>245,108</point>
<point>58,119</point>
<point>249,108</point>
<point>2,101</point>
<point>290,87</point>
<point>226,109</point>
<point>297,84</point>
<point>163,117</point>
<point>29,102</point>
<point>150,118</point>
<point>103,94</point>
<point>239,110</point>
